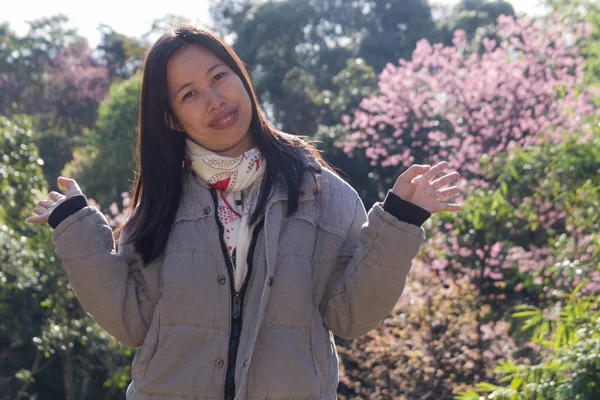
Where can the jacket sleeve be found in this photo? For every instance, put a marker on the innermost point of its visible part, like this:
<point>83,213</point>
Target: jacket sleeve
<point>108,283</point>
<point>370,271</point>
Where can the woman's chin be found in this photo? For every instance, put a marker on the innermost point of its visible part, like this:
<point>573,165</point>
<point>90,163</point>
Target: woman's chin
<point>234,149</point>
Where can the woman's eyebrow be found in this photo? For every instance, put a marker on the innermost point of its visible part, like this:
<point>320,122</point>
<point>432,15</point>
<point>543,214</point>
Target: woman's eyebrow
<point>213,67</point>
<point>189,83</point>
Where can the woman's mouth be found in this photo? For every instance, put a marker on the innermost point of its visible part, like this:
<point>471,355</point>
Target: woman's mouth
<point>226,121</point>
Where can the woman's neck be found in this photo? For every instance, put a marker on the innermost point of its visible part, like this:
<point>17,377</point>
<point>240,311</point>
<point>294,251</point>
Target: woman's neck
<point>239,148</point>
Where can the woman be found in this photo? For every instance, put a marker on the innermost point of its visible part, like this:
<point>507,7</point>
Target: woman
<point>244,253</point>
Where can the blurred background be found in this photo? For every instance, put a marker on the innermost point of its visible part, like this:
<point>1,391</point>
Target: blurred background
<point>502,301</point>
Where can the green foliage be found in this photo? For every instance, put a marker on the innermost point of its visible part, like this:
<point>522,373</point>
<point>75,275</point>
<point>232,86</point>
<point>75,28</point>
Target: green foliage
<point>591,47</point>
<point>526,238</point>
<point>558,188</point>
<point>104,166</point>
<point>49,345</point>
<point>569,336</point>
<point>587,11</point>
<point>474,15</point>
<point>20,173</point>
<point>351,85</point>
<point>122,55</point>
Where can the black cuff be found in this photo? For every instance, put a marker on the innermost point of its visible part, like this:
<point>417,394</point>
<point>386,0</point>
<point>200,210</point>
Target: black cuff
<point>66,209</point>
<point>405,211</point>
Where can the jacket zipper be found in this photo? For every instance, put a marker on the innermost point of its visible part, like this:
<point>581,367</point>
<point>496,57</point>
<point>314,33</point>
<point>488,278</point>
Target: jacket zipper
<point>237,299</point>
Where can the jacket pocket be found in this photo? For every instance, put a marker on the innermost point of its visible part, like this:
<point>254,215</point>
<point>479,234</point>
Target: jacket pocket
<point>282,365</point>
<point>145,354</point>
<point>188,361</point>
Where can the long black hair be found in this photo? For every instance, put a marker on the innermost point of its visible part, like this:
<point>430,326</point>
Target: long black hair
<point>159,153</point>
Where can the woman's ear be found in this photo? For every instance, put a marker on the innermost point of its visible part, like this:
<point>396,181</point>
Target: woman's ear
<point>171,123</point>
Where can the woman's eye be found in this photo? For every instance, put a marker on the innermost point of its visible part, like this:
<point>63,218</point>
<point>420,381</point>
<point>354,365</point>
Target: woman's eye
<point>188,94</point>
<point>218,76</point>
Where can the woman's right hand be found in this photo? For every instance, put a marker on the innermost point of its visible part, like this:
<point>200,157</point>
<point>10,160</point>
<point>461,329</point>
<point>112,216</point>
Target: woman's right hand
<point>47,206</point>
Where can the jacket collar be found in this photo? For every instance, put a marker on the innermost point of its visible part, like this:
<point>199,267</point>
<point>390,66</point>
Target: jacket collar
<point>308,188</point>
<point>197,201</point>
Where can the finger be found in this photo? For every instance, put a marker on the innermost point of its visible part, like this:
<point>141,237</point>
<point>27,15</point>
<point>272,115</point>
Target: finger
<point>448,192</point>
<point>413,171</point>
<point>67,183</point>
<point>445,180</point>
<point>441,207</point>
<point>436,169</point>
<point>39,219</point>
<point>55,196</point>
<point>39,210</point>
<point>45,203</point>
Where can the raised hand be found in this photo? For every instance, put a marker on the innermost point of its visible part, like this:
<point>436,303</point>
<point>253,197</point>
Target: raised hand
<point>45,207</point>
<point>419,186</point>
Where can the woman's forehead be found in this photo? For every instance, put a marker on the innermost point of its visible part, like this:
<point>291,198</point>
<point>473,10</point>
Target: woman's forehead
<point>193,57</point>
<point>189,64</point>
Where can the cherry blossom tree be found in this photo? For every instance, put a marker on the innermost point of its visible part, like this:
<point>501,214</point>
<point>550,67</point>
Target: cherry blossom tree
<point>448,103</point>
<point>514,120</point>
<point>75,86</point>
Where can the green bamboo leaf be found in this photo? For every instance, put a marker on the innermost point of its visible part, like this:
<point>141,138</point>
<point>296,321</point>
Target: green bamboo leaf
<point>531,322</point>
<point>488,387</point>
<point>568,332</point>
<point>507,367</point>
<point>578,288</point>
<point>545,328</point>
<point>516,383</point>
<point>507,378</point>
<point>467,395</point>
<point>526,313</point>
<point>560,333</point>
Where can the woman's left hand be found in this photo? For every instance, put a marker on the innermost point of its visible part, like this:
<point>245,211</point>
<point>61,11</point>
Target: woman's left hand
<point>419,186</point>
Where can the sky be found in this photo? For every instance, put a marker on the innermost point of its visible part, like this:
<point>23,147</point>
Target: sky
<point>134,17</point>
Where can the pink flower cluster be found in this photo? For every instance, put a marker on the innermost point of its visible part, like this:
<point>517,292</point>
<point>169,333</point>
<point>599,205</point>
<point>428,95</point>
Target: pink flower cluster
<point>448,103</point>
<point>73,71</point>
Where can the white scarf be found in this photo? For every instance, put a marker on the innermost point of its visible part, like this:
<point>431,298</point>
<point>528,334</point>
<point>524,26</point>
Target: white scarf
<point>237,180</point>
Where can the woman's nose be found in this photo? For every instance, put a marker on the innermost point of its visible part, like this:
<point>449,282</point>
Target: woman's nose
<point>215,101</point>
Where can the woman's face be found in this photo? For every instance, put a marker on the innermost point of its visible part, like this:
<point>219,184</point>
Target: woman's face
<point>209,101</point>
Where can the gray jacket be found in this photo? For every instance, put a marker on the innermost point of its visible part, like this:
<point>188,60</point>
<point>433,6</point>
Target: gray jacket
<point>328,269</point>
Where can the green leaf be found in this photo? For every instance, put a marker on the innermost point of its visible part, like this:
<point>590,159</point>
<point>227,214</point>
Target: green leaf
<point>545,328</point>
<point>513,172</point>
<point>488,387</point>
<point>467,395</point>
<point>526,313</point>
<point>516,383</point>
<point>531,322</point>
<point>560,334</point>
